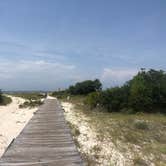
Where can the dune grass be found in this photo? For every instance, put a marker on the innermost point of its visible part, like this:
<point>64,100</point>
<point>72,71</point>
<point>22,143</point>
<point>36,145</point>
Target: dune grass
<point>142,136</point>
<point>30,96</point>
<point>31,104</point>
<point>33,99</point>
<point>5,100</point>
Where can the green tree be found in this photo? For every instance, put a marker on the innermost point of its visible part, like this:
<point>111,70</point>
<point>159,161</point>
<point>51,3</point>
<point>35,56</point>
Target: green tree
<point>1,98</point>
<point>85,87</point>
<point>140,94</point>
<point>93,99</point>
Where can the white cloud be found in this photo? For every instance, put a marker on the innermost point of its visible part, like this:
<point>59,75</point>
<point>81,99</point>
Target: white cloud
<point>26,74</point>
<point>27,65</point>
<point>49,54</point>
<point>113,77</point>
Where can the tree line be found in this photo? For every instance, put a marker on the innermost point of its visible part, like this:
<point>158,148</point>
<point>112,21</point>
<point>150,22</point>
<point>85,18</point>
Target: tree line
<point>80,88</point>
<point>145,92</point>
<point>1,98</point>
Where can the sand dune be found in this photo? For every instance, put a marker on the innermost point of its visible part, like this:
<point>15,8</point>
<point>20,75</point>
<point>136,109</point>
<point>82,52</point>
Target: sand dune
<point>12,121</point>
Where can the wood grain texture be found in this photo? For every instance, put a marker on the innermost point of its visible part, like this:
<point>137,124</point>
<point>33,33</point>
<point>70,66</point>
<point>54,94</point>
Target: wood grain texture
<point>45,141</point>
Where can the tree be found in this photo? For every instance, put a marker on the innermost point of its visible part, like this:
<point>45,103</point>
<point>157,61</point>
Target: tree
<point>148,90</point>
<point>140,98</point>
<point>85,87</point>
<point>1,98</point>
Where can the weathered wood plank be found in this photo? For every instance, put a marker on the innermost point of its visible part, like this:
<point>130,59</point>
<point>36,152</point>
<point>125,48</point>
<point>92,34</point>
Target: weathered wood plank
<point>45,141</point>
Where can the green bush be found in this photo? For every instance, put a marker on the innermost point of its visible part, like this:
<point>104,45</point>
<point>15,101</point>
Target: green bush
<point>93,99</point>
<point>142,125</point>
<point>31,104</point>
<point>60,94</point>
<point>5,100</point>
<point>85,87</point>
<point>146,92</point>
<point>31,95</point>
<point>1,98</point>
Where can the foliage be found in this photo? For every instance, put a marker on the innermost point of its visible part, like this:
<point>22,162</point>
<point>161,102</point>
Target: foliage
<point>85,87</point>
<point>146,92</point>
<point>127,133</point>
<point>60,94</point>
<point>1,99</point>
<point>31,104</point>
<point>113,99</point>
<point>141,124</point>
<point>31,95</point>
<point>4,100</point>
<point>33,99</point>
<point>93,99</point>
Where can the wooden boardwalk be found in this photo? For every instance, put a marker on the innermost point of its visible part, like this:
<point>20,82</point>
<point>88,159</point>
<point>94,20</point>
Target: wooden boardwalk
<point>45,141</point>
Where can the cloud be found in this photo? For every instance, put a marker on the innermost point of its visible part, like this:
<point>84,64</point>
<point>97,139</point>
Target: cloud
<point>21,66</point>
<point>114,77</point>
<point>51,54</point>
<point>12,44</point>
<point>39,74</point>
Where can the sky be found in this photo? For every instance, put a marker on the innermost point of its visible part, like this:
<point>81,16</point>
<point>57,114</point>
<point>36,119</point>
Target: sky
<point>51,44</point>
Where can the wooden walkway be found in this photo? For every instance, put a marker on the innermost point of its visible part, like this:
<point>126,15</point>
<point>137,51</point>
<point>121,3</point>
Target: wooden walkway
<point>45,141</point>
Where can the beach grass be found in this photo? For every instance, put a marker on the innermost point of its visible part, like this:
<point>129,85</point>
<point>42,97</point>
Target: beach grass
<point>5,100</point>
<point>140,138</point>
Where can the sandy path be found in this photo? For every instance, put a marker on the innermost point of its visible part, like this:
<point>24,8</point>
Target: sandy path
<point>12,121</point>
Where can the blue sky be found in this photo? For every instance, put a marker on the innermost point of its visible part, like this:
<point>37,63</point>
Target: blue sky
<point>47,44</point>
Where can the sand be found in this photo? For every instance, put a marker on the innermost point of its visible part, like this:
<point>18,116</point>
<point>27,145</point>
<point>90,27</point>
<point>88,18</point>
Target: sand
<point>88,139</point>
<point>12,121</point>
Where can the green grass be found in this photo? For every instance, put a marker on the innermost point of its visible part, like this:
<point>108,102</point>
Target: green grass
<point>139,162</point>
<point>33,99</point>
<point>147,131</point>
<point>31,104</point>
<point>30,96</point>
<point>5,100</point>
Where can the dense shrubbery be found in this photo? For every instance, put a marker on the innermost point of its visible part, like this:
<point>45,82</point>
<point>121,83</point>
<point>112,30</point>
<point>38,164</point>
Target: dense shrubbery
<point>85,87</point>
<point>60,94</point>
<point>80,88</point>
<point>146,92</point>
<point>4,100</point>
<point>1,99</point>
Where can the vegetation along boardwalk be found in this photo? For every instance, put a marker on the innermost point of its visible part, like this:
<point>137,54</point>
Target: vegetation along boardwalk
<point>45,141</point>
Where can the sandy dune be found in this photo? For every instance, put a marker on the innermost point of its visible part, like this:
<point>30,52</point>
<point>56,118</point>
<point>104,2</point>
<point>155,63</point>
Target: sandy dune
<point>88,140</point>
<point>12,121</point>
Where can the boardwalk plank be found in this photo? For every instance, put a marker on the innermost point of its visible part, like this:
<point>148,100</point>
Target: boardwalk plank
<point>45,141</point>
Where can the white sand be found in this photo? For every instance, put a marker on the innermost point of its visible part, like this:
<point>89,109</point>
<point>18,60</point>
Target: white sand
<point>12,121</point>
<point>50,97</point>
<point>88,139</point>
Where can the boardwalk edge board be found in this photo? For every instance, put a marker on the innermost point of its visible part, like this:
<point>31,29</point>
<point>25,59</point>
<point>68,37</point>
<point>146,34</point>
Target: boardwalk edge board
<point>45,141</point>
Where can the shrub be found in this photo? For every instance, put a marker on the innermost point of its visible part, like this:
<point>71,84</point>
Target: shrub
<point>31,104</point>
<point>1,96</point>
<point>93,99</point>
<point>4,100</point>
<point>139,162</point>
<point>60,94</point>
<point>85,87</point>
<point>140,124</point>
<point>146,92</point>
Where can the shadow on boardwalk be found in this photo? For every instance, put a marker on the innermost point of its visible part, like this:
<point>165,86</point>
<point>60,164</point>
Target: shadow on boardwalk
<point>45,141</point>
